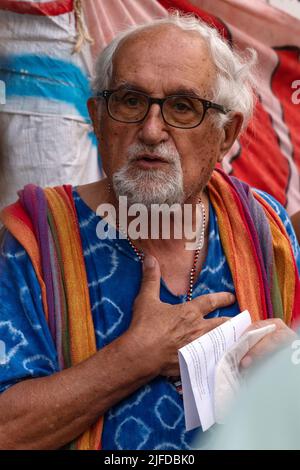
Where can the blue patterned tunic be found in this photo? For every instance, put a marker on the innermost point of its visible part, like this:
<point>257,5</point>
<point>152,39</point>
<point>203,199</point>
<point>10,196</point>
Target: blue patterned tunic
<point>152,417</point>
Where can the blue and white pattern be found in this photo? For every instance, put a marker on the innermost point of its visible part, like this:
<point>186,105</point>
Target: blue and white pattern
<point>152,417</point>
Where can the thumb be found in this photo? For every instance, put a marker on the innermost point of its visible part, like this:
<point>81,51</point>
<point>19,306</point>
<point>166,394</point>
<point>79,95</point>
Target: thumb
<point>151,277</point>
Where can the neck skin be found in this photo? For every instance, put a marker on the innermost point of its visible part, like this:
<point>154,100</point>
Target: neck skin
<point>175,261</point>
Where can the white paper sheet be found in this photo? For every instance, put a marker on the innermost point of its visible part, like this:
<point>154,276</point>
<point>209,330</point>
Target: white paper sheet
<point>198,362</point>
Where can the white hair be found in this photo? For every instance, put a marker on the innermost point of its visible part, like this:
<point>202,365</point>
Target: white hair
<point>235,84</point>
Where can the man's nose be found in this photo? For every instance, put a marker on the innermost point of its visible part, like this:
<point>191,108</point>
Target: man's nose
<point>153,129</point>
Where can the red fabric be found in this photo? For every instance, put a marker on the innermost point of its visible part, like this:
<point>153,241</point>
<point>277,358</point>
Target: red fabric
<point>16,210</point>
<point>186,7</point>
<point>286,73</point>
<point>271,173</point>
<point>51,8</point>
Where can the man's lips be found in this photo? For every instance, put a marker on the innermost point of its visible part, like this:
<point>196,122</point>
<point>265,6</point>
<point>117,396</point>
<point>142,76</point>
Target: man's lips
<point>150,160</point>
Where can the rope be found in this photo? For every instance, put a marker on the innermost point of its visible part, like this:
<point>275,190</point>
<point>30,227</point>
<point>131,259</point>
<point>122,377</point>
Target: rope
<point>82,33</point>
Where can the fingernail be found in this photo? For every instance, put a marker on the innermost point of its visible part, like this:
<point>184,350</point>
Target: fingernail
<point>246,362</point>
<point>149,261</point>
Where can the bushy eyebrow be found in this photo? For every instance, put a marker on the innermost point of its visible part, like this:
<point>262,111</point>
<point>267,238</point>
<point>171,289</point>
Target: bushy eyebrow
<point>186,91</point>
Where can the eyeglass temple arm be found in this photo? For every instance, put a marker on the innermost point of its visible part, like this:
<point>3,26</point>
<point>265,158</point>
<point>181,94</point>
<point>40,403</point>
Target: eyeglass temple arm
<point>209,104</point>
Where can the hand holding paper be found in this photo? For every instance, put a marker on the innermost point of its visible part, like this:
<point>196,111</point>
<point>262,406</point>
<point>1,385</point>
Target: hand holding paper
<point>203,396</point>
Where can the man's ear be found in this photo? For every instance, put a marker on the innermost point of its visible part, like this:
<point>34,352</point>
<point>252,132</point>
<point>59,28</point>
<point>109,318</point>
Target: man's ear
<point>231,132</point>
<point>93,107</point>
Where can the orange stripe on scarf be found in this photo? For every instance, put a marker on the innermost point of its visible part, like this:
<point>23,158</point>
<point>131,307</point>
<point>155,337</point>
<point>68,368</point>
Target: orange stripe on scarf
<point>241,254</point>
<point>238,247</point>
<point>284,260</point>
<point>82,333</point>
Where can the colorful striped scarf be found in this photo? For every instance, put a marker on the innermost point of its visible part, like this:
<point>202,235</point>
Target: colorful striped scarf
<point>254,239</point>
<point>45,223</point>
<point>258,251</point>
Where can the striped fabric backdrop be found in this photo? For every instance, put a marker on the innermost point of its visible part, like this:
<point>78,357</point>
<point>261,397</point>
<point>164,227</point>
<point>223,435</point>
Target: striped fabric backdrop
<point>46,134</point>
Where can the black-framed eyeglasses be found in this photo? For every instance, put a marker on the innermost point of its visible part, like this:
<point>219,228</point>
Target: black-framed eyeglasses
<point>183,111</point>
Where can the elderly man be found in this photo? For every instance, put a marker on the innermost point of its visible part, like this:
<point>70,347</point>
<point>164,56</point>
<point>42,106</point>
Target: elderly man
<point>92,326</point>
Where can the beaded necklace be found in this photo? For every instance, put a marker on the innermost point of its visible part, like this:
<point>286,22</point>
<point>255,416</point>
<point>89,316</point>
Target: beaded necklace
<point>140,254</point>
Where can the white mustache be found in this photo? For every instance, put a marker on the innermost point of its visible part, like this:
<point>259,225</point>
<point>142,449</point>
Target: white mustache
<point>164,151</point>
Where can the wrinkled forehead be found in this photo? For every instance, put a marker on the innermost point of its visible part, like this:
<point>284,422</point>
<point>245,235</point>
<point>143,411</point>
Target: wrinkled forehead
<point>165,53</point>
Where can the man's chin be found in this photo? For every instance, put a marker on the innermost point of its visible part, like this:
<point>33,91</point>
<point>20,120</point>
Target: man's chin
<point>149,186</point>
<point>154,198</point>
<point>147,171</point>
<point>145,199</point>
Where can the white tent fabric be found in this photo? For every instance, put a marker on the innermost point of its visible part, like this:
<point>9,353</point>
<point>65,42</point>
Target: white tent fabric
<point>46,133</point>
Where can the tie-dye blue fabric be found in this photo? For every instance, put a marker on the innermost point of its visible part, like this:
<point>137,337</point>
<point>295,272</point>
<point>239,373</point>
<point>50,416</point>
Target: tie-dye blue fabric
<point>152,417</point>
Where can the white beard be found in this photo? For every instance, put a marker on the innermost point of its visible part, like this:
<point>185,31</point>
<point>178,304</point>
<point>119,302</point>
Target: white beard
<point>150,186</point>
